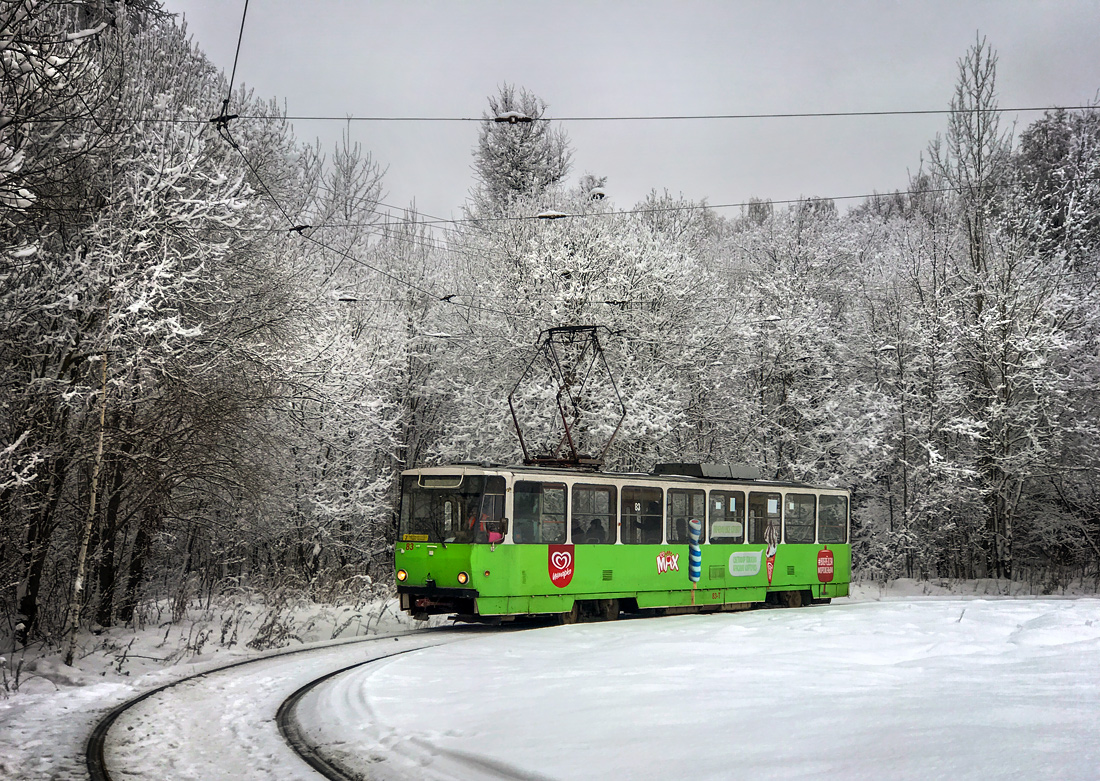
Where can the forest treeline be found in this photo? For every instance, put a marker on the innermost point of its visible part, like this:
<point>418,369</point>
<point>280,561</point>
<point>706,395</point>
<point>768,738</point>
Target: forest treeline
<point>217,350</point>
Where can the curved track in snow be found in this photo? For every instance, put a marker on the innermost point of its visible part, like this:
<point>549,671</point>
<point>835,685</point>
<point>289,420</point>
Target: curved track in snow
<point>236,721</point>
<point>292,733</point>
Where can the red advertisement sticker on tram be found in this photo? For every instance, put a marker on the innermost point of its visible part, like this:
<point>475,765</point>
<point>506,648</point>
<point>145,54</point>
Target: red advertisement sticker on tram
<point>825,566</point>
<point>559,563</point>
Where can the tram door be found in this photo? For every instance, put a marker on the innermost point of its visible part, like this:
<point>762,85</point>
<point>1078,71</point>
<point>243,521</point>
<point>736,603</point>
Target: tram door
<point>765,517</point>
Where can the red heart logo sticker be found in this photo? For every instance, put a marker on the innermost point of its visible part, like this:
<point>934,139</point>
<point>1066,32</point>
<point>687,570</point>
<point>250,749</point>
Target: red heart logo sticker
<point>559,563</point>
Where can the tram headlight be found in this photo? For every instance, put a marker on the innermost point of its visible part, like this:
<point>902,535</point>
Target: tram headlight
<point>463,578</point>
<point>402,576</point>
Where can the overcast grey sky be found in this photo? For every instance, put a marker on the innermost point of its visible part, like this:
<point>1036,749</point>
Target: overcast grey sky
<point>650,57</point>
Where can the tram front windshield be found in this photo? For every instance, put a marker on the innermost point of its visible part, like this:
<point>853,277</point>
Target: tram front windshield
<point>451,508</point>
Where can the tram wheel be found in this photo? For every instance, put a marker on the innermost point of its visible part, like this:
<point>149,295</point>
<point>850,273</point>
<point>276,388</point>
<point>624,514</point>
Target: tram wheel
<point>608,609</point>
<point>792,599</point>
<point>571,616</point>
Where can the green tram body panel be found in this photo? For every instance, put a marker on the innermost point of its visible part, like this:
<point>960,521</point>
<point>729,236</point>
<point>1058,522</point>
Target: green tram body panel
<point>510,579</point>
<point>518,580</point>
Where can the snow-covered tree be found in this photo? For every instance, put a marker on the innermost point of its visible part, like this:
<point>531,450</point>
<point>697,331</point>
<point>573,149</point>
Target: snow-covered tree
<point>1057,171</point>
<point>147,319</point>
<point>596,267</point>
<point>518,154</point>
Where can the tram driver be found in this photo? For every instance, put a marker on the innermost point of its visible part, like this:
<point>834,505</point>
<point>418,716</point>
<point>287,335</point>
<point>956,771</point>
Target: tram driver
<point>483,527</point>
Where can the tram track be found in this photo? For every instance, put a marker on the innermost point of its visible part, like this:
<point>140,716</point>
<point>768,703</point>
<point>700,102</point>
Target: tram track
<point>292,733</point>
<point>96,746</point>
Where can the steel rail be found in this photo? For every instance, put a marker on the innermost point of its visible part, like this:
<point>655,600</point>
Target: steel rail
<point>97,740</point>
<point>292,733</point>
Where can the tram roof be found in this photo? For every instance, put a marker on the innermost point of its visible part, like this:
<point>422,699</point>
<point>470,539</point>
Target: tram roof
<point>651,477</point>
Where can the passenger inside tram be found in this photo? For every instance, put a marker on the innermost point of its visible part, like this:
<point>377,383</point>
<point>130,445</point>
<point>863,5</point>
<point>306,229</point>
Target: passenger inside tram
<point>595,534</point>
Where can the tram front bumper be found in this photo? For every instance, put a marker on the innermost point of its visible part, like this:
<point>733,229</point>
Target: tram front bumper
<point>433,600</point>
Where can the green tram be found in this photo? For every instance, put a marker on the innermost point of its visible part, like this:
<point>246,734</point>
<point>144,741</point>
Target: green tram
<point>491,543</point>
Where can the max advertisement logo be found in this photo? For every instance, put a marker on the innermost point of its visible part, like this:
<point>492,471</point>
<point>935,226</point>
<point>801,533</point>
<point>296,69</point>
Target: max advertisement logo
<point>667,560</point>
<point>559,563</point>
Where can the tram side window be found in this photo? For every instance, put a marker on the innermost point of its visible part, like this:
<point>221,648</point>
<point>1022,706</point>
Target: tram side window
<point>727,517</point>
<point>641,515</point>
<point>833,519</point>
<point>682,507</point>
<point>539,510</point>
<point>764,517</point>
<point>593,514</point>
<point>798,518</point>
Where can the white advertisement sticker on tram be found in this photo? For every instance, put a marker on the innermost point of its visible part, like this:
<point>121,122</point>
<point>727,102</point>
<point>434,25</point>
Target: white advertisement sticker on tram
<point>744,564</point>
<point>729,529</point>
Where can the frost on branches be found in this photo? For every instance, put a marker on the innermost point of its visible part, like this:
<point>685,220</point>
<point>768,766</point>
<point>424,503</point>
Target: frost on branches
<point>260,350</point>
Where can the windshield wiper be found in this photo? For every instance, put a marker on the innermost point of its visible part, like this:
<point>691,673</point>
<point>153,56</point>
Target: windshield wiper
<point>437,530</point>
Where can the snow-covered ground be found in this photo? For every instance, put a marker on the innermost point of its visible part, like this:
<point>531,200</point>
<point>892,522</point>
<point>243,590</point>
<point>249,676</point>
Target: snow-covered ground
<point>889,684</point>
<point>220,725</point>
<point>943,688</point>
<point>48,710</point>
